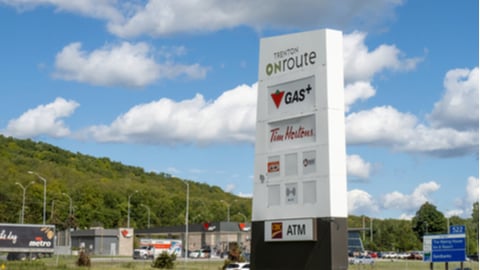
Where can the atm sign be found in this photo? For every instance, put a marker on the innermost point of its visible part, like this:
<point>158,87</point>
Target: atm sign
<point>290,230</point>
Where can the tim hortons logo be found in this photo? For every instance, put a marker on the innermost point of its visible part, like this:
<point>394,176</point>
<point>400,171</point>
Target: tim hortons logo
<point>289,97</point>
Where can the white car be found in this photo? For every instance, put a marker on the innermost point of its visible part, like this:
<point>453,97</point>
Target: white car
<point>238,266</point>
<point>363,260</point>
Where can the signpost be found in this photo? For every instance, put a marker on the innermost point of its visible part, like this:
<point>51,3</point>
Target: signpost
<point>445,247</point>
<point>300,195</point>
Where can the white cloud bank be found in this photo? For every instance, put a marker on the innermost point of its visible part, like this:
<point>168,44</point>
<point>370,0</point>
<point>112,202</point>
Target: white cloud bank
<point>44,119</point>
<point>358,168</point>
<point>458,107</point>
<point>229,118</point>
<point>125,64</point>
<point>447,135</point>
<point>362,203</point>
<point>161,17</point>
<point>410,202</point>
<point>129,19</point>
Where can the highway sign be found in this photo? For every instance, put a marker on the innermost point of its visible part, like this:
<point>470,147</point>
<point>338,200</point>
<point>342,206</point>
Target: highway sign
<point>444,248</point>
<point>457,229</point>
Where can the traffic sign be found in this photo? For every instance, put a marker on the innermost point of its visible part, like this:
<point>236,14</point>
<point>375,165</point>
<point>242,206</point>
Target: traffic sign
<point>444,248</point>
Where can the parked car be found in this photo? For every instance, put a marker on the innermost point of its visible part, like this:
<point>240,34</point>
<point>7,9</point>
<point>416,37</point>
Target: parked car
<point>238,266</point>
<point>20,256</point>
<point>200,253</point>
<point>415,256</point>
<point>389,255</point>
<point>362,260</point>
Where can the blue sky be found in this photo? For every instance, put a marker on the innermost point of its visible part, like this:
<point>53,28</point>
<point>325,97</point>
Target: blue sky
<point>170,86</point>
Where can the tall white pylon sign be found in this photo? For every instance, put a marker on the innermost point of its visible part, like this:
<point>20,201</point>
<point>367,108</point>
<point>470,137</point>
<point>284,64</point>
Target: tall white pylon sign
<point>300,194</point>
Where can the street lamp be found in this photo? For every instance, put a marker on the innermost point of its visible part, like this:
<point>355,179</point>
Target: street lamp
<point>44,193</point>
<point>128,218</point>
<point>24,188</point>
<point>244,217</point>
<point>186,221</point>
<point>228,210</point>
<point>70,218</point>
<point>148,214</point>
<point>70,208</point>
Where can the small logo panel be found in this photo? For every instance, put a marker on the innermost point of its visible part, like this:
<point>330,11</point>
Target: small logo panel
<point>277,230</point>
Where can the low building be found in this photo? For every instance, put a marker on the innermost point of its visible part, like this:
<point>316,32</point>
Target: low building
<point>100,241</point>
<point>216,236</point>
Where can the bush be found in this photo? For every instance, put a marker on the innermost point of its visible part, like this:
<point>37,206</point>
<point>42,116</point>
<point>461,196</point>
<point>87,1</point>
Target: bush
<point>83,259</point>
<point>234,255</point>
<point>165,260</point>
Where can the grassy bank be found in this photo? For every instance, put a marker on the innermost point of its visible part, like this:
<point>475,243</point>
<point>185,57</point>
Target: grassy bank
<point>59,263</point>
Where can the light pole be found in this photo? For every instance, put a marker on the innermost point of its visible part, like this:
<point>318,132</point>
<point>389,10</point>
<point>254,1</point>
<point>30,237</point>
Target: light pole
<point>70,218</point>
<point>70,208</point>
<point>44,194</point>
<point>148,214</point>
<point>24,188</point>
<point>228,210</point>
<point>244,217</point>
<point>186,221</point>
<point>128,218</point>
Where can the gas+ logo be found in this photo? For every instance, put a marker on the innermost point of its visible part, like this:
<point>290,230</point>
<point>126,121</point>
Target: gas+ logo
<point>289,97</point>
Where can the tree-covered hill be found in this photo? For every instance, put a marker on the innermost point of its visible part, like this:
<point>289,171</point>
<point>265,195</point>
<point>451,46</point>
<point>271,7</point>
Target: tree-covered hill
<point>99,190</point>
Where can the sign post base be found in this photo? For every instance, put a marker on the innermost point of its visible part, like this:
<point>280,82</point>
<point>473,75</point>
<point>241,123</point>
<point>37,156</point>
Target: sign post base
<point>328,252</point>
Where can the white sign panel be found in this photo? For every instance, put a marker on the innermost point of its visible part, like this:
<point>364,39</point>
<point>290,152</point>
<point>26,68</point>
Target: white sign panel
<point>300,155</point>
<point>290,230</point>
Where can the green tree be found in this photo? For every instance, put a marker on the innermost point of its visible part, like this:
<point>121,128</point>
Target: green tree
<point>428,220</point>
<point>472,232</point>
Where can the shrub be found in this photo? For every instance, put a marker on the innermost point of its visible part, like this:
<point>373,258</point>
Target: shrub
<point>165,260</point>
<point>83,259</point>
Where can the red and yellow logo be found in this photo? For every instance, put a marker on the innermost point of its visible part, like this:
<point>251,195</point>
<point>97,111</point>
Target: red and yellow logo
<point>277,230</point>
<point>273,166</point>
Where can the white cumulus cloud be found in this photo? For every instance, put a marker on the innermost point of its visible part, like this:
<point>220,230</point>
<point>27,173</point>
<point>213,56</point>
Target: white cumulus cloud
<point>229,118</point>
<point>472,191</point>
<point>410,202</point>
<point>162,17</point>
<point>360,64</point>
<point>361,203</point>
<point>99,9</point>
<point>125,64</point>
<point>43,120</point>
<point>385,126</point>
<point>359,90</point>
<point>379,126</point>
<point>458,108</point>
<point>357,167</point>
